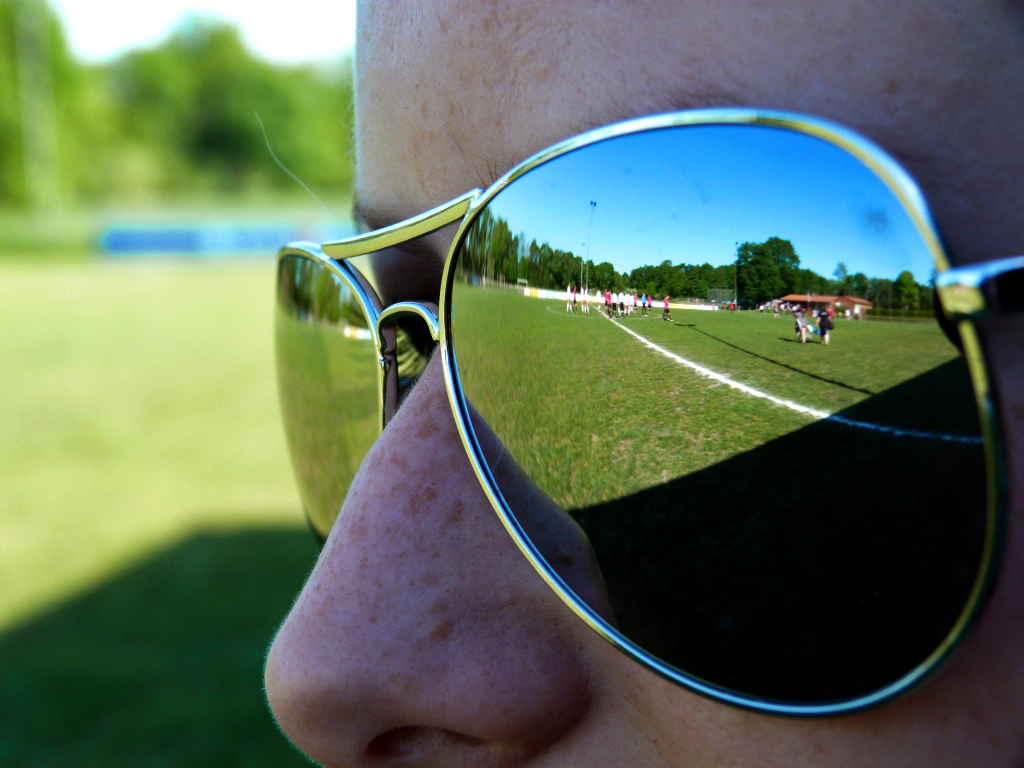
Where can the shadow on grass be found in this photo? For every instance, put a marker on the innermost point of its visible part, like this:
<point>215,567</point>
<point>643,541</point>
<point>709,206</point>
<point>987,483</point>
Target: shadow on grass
<point>161,665</point>
<point>693,327</point>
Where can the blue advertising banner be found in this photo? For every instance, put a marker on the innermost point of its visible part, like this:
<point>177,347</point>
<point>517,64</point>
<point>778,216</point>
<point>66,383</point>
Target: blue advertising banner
<point>211,240</point>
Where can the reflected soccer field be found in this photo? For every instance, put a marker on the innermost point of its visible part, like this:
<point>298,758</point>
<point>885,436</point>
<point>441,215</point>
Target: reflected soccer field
<point>852,470</point>
<point>568,391</point>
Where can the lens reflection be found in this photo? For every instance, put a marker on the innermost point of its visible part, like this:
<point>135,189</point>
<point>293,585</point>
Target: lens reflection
<point>327,368</point>
<point>780,516</point>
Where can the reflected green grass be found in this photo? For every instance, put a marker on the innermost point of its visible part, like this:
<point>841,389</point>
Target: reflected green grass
<point>863,358</point>
<point>570,392</point>
<point>329,397</point>
<point>772,551</point>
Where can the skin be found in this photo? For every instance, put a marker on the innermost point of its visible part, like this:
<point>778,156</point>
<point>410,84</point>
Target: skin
<point>423,637</point>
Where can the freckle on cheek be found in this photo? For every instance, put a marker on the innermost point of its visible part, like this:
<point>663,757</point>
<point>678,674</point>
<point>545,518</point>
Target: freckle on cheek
<point>457,511</point>
<point>374,461</point>
<point>419,405</point>
<point>357,529</point>
<point>429,493</point>
<point>426,428</point>
<point>441,631</point>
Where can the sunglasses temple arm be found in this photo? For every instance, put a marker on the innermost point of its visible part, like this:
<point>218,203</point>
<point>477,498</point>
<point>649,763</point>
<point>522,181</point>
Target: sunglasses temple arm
<point>402,231</point>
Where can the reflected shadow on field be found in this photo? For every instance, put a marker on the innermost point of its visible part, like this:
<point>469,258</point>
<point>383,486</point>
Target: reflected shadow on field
<point>821,564</point>
<point>693,327</point>
<point>161,664</point>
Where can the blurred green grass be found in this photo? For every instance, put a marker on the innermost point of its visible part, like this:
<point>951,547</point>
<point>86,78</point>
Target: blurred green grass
<point>150,531</point>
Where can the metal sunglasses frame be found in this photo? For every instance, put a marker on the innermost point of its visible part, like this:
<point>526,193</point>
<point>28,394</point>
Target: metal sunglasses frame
<point>967,294</point>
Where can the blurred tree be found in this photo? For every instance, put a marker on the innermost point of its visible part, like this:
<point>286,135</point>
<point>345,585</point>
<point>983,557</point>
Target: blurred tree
<point>840,273</point>
<point>191,105</point>
<point>602,276</point>
<point>907,292</point>
<point>858,285</point>
<point>176,120</point>
<point>37,77</point>
<point>12,170</point>
<point>880,292</point>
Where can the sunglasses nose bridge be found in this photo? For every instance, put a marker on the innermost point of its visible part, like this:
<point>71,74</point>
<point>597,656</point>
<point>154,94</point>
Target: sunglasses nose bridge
<point>975,291</point>
<point>393,388</point>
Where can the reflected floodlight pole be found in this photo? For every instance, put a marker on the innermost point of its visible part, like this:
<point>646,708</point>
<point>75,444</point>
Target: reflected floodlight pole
<point>593,205</point>
<point>735,278</point>
<point>582,245</point>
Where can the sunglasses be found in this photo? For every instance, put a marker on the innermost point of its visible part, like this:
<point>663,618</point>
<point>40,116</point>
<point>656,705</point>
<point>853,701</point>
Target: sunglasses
<point>633,325</point>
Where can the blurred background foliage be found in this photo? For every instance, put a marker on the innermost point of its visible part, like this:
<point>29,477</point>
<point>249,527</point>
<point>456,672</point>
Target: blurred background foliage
<point>151,534</point>
<point>169,123</point>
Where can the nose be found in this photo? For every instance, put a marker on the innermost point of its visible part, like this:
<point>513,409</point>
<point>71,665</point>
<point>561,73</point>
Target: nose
<point>423,636</point>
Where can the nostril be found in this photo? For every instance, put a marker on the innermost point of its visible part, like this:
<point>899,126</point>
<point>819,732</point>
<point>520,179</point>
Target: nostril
<point>415,741</point>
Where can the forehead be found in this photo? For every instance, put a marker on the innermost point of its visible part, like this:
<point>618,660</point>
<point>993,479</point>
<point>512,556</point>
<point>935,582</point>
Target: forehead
<point>452,94</point>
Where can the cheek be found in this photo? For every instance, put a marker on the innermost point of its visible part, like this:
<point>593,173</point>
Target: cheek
<point>1004,347</point>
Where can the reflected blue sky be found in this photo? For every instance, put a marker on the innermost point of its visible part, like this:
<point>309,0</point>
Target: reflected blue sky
<point>690,194</point>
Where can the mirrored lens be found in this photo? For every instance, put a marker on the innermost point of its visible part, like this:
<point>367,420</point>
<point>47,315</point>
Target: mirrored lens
<point>327,380</point>
<point>715,348</point>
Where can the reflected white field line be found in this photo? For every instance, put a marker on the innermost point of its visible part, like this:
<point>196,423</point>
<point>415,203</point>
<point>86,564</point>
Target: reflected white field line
<point>814,413</point>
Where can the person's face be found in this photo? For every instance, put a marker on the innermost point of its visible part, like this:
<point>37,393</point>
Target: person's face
<point>423,637</point>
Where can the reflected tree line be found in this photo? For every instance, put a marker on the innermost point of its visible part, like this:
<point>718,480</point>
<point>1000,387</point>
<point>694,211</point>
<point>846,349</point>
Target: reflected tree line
<point>771,269</point>
<point>491,251</point>
<point>760,272</point>
<point>310,292</point>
